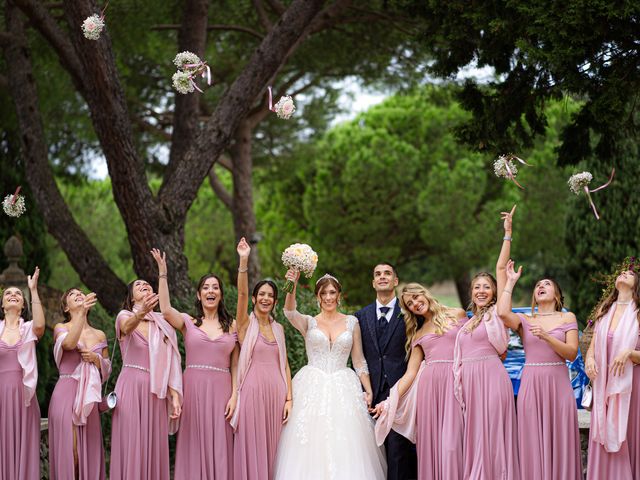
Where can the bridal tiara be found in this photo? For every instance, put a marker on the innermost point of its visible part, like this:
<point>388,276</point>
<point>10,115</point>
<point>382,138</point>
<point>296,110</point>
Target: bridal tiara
<point>328,276</point>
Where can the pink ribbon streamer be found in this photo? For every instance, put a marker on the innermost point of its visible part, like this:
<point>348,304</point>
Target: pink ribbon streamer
<point>510,173</point>
<point>15,195</point>
<point>589,191</point>
<point>270,99</point>
<point>200,68</point>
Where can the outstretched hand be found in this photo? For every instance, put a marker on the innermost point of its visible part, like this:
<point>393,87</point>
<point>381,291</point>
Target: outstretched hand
<point>512,275</point>
<point>89,301</point>
<point>508,219</point>
<point>244,249</point>
<point>149,303</point>
<point>32,280</point>
<point>161,260</point>
<point>292,275</point>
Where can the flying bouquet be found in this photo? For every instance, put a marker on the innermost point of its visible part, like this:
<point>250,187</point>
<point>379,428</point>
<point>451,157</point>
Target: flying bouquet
<point>13,205</point>
<point>189,66</point>
<point>93,25</point>
<point>505,167</point>
<point>579,183</point>
<point>284,108</point>
<point>300,257</point>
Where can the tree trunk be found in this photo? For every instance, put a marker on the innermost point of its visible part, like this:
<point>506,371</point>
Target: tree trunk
<point>463,285</point>
<point>244,219</point>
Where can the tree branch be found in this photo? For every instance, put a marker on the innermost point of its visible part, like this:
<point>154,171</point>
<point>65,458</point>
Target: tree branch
<point>44,22</point>
<point>220,190</point>
<point>262,15</point>
<point>85,258</point>
<point>182,187</point>
<point>153,129</point>
<point>276,6</point>
<point>215,26</point>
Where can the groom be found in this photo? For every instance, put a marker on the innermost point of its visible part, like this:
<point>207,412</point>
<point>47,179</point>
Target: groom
<point>383,341</point>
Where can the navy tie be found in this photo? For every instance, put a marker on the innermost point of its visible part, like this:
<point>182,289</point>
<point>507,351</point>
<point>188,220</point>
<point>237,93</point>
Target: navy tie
<point>382,321</point>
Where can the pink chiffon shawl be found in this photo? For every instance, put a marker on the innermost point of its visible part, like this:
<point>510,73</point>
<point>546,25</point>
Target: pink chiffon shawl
<point>89,380</point>
<point>27,358</point>
<point>399,413</point>
<point>498,337</point>
<point>165,369</point>
<point>246,352</point>
<point>612,395</point>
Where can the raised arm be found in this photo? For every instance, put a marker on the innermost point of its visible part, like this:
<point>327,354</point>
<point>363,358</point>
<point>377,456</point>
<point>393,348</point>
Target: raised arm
<point>296,319</point>
<point>73,337</point>
<point>505,251</point>
<point>504,304</point>
<point>360,364</point>
<point>130,320</point>
<point>242,315</point>
<point>170,314</point>
<point>36,305</point>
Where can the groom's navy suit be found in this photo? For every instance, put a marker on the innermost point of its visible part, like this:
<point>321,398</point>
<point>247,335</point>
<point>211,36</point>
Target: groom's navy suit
<point>384,350</point>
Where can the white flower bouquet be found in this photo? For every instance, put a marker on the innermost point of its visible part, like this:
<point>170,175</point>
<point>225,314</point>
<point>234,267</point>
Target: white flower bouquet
<point>13,205</point>
<point>300,257</point>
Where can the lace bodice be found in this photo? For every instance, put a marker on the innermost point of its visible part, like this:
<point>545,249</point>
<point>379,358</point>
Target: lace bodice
<point>324,355</point>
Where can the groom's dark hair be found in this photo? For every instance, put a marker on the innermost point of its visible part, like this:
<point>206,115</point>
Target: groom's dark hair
<point>393,267</point>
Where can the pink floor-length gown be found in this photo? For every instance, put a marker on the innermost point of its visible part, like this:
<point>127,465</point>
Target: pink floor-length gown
<point>605,465</point>
<point>88,438</point>
<point>490,441</point>
<point>205,439</point>
<point>439,427</point>
<point>140,428</point>
<point>548,434</point>
<point>633,428</point>
<point>260,417</point>
<point>19,425</point>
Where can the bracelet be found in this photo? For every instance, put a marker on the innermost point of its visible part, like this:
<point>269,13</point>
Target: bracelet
<point>507,291</point>
<point>162,275</point>
<point>507,238</point>
<point>36,302</point>
<point>243,270</point>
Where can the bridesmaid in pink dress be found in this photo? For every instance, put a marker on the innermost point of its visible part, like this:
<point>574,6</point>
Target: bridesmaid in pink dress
<point>80,352</point>
<point>264,383</point>
<point>548,434</point>
<point>437,428</point>
<point>205,440</point>
<point>482,385</point>
<point>613,447</point>
<point>19,410</point>
<point>149,389</point>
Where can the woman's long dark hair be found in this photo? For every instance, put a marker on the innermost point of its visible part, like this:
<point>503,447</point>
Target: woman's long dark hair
<point>224,317</point>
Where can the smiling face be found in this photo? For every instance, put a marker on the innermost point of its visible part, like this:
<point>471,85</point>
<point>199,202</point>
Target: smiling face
<point>12,300</point>
<point>384,278</point>
<point>417,304</point>
<point>482,291</point>
<point>71,300</point>
<point>140,290</point>
<point>264,298</point>
<point>328,297</point>
<point>627,279</point>
<point>209,292</point>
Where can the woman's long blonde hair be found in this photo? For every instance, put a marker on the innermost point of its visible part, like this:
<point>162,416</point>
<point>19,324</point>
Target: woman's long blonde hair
<point>479,313</point>
<point>439,314</point>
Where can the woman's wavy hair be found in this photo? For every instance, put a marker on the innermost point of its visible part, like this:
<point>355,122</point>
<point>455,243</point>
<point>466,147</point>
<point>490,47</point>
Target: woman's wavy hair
<point>224,317</point>
<point>479,313</point>
<point>439,314</point>
<point>558,296</point>
<point>605,304</point>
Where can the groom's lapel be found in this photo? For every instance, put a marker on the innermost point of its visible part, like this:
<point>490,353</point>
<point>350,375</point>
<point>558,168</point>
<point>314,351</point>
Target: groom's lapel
<point>371,325</point>
<point>396,320</point>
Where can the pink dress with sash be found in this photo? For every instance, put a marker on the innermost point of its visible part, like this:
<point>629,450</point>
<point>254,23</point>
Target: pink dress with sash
<point>205,439</point>
<point>548,434</point>
<point>73,412</point>
<point>19,410</point>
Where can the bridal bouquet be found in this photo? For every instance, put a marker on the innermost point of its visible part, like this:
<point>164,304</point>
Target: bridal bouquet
<point>13,205</point>
<point>93,24</point>
<point>505,167</point>
<point>284,108</point>
<point>579,183</point>
<point>300,257</point>
<point>189,65</point>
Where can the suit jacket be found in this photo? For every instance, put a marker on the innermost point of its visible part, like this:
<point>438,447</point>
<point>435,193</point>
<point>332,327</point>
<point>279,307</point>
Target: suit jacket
<point>386,356</point>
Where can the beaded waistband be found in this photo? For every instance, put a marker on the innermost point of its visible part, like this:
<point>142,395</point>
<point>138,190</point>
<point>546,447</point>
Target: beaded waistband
<point>209,367</point>
<point>438,361</point>
<point>65,375</point>
<point>137,367</point>
<point>544,364</point>
<point>478,359</point>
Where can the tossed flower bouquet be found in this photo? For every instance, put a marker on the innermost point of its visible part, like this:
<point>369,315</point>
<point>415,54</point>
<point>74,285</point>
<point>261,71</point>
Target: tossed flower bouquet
<point>284,108</point>
<point>300,257</point>
<point>189,65</point>
<point>92,26</point>
<point>579,183</point>
<point>505,167</point>
<point>13,205</point>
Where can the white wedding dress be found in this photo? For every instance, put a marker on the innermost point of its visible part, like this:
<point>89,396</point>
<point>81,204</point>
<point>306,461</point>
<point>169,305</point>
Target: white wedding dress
<point>330,434</point>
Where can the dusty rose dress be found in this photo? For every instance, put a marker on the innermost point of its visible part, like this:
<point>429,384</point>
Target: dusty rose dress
<point>490,441</point>
<point>19,425</point>
<point>548,434</point>
<point>140,429</point>
<point>633,428</point>
<point>439,422</point>
<point>205,438</point>
<point>62,430</point>
<point>605,465</point>
<point>260,417</point>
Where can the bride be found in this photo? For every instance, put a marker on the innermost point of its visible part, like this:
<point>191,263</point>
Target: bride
<point>329,434</point>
